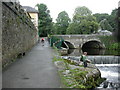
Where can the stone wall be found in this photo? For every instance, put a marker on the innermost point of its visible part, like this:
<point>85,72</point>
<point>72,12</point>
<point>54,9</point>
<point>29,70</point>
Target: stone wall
<point>0,45</point>
<point>0,32</point>
<point>79,40</point>
<point>18,32</point>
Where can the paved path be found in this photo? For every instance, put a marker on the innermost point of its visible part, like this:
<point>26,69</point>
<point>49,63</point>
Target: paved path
<point>35,70</point>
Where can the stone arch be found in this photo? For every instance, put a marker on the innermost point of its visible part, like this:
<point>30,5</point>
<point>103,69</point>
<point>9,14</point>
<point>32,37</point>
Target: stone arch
<point>93,44</point>
<point>69,44</point>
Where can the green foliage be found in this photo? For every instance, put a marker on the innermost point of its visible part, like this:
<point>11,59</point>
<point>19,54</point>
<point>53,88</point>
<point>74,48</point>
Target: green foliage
<point>44,20</point>
<point>82,11</point>
<point>114,46</point>
<point>83,22</point>
<point>62,23</point>
<point>83,25</point>
<point>100,17</point>
<point>73,29</point>
<point>112,19</point>
<point>104,24</point>
<point>57,59</point>
<point>110,42</point>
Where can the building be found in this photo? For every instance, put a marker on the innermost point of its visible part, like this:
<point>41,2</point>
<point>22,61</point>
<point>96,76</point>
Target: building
<point>104,32</point>
<point>33,14</point>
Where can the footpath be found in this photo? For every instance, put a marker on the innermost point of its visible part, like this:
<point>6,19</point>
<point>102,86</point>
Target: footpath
<point>34,70</point>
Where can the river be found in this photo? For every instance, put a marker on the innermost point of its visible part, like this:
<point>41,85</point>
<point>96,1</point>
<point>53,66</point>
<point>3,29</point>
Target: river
<point>107,61</point>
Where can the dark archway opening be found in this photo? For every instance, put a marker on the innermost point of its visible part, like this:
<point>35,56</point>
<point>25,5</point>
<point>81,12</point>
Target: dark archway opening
<point>70,45</point>
<point>93,47</point>
<point>92,44</point>
<point>64,45</point>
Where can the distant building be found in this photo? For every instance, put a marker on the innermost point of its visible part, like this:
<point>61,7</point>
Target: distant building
<point>33,14</point>
<point>104,32</point>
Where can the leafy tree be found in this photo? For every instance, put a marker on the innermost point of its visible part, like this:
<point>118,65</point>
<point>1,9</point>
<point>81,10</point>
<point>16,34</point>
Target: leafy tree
<point>54,28</point>
<point>104,24</point>
<point>83,22</point>
<point>63,21</point>
<point>111,19</point>
<point>100,17</point>
<point>73,28</point>
<point>84,27</point>
<point>82,11</point>
<point>44,20</point>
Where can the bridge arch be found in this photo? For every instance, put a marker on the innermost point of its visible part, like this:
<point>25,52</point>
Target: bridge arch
<point>93,44</point>
<point>69,45</point>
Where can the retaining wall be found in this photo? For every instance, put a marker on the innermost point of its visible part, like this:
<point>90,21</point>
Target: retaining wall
<point>18,32</point>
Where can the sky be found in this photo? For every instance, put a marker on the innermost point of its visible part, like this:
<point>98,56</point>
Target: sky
<point>57,6</point>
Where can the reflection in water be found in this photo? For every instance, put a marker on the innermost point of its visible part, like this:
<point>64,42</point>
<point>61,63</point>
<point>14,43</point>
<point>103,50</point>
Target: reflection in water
<point>94,51</point>
<point>70,51</point>
<point>78,52</point>
<point>74,52</point>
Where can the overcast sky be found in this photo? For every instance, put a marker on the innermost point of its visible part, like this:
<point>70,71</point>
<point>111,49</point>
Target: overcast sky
<point>56,6</point>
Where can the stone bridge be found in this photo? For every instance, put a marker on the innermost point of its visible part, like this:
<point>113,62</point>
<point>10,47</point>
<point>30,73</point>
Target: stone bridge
<point>82,41</point>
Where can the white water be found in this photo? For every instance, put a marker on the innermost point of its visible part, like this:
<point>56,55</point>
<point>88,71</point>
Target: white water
<point>107,65</point>
<point>111,72</point>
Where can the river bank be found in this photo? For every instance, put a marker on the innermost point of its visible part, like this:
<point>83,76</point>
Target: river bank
<point>74,75</point>
<point>109,67</point>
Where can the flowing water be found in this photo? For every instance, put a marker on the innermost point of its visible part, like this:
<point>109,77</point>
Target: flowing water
<point>107,61</point>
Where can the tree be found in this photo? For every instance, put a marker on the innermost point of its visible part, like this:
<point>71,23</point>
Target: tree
<point>62,23</point>
<point>83,27</point>
<point>100,17</point>
<point>104,24</point>
<point>111,19</point>
<point>83,22</point>
<point>73,28</point>
<point>44,20</point>
<point>82,11</point>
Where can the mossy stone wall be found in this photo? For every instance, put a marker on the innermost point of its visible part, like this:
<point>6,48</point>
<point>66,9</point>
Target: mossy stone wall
<point>18,32</point>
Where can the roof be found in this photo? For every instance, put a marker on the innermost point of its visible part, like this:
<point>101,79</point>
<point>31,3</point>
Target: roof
<point>30,9</point>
